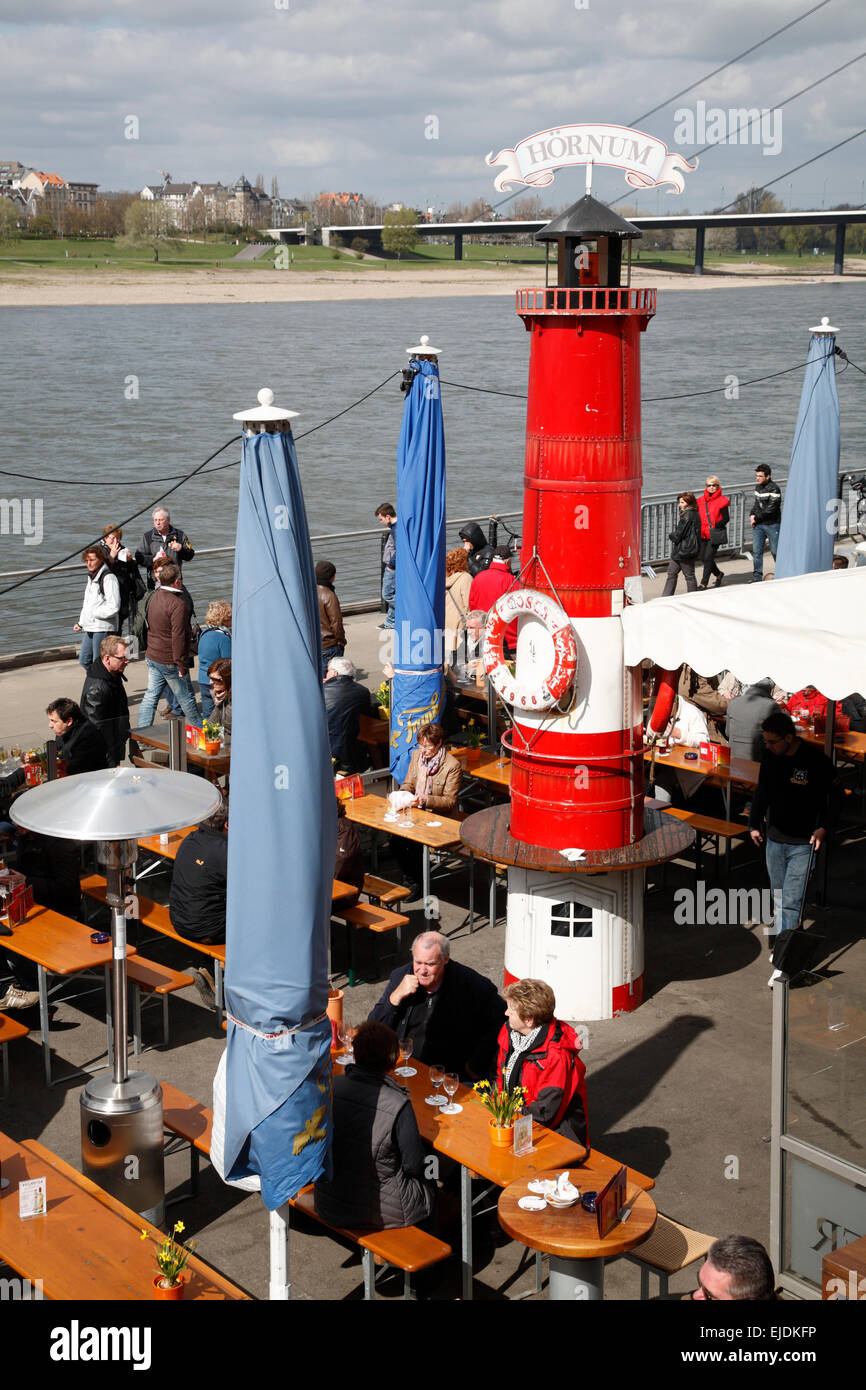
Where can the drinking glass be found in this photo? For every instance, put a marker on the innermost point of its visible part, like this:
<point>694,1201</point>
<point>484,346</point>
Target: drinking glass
<point>16,752</point>
<point>437,1076</point>
<point>406,1048</point>
<point>346,1034</point>
<point>4,758</point>
<point>449,1086</point>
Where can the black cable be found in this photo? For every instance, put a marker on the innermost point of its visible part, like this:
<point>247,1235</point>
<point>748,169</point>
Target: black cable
<point>847,360</point>
<point>706,77</point>
<point>645,400</point>
<point>186,478</point>
<point>183,477</point>
<point>141,511</point>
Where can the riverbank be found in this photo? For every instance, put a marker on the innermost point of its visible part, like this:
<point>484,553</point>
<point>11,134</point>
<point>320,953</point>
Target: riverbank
<point>114,287</point>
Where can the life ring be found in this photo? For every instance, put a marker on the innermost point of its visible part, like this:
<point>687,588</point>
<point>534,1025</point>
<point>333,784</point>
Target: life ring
<point>540,694</point>
<point>665,702</point>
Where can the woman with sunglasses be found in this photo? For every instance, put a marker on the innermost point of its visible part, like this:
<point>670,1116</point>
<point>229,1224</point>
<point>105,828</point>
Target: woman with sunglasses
<point>714,510</point>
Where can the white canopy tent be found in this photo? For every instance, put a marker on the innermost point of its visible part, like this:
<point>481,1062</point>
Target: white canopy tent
<point>810,630</point>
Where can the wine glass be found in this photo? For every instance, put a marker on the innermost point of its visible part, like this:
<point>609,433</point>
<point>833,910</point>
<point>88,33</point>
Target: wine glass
<point>406,1049</point>
<point>437,1076</point>
<point>346,1034</point>
<point>15,750</point>
<point>449,1086</point>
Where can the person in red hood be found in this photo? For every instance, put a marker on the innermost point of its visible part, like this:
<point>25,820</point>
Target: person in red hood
<point>491,584</point>
<point>714,509</point>
<point>539,1052</point>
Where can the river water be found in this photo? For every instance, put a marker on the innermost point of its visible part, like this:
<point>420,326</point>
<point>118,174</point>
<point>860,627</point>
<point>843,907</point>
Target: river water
<point>104,401</point>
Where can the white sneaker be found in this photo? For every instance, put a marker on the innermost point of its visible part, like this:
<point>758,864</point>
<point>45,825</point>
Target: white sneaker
<point>16,998</point>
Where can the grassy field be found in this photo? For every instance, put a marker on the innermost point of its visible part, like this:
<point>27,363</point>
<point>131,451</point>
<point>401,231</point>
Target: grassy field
<point>78,255</point>
<point>81,257</point>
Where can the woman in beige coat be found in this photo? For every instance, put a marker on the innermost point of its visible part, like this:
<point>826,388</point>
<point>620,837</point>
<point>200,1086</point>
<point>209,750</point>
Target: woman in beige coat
<point>458,582</point>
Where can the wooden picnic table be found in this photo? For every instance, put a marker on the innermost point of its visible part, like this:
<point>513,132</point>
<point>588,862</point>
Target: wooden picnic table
<point>570,1235</point>
<point>429,828</point>
<point>57,945</point>
<point>87,1246</point>
<point>489,768</point>
<point>465,1138</point>
<point>214,765</point>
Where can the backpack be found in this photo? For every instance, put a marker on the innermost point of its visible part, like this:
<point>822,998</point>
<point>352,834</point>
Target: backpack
<point>139,627</point>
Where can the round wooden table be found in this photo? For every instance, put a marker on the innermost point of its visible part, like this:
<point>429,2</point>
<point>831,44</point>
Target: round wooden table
<point>570,1236</point>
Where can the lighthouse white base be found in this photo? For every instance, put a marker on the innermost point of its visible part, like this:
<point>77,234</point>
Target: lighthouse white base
<point>582,934</point>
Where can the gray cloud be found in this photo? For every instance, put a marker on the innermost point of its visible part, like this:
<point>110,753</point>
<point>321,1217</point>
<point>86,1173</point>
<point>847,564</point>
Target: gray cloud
<point>336,95</point>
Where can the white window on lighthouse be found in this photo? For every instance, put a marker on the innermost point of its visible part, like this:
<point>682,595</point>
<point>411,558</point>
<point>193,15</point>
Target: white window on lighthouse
<point>570,919</point>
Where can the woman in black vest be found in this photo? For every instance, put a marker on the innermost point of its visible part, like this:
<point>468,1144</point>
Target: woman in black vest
<point>378,1158</point>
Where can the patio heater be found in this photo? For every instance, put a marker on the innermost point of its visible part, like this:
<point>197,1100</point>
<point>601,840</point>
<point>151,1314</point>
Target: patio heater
<point>573,835</point>
<point>121,1111</point>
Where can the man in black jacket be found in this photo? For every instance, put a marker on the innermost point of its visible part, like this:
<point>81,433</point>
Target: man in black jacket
<point>452,1014</point>
<point>792,803</point>
<point>163,539</point>
<point>103,698</point>
<point>197,906</point>
<point>345,701</point>
<point>765,518</point>
<point>79,743</point>
<point>480,552</point>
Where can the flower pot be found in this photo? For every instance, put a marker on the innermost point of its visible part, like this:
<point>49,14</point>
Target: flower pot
<point>384,713</point>
<point>501,1135</point>
<point>161,1290</point>
<point>211,746</point>
<point>473,755</point>
<point>335,1014</point>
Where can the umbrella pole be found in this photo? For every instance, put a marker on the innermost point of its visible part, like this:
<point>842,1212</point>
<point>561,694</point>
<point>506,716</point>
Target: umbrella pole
<point>279,1233</point>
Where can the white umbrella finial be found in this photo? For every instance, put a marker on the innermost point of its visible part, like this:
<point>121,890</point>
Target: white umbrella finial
<point>423,348</point>
<point>822,328</point>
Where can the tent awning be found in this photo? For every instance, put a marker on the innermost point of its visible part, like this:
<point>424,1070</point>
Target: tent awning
<point>810,630</point>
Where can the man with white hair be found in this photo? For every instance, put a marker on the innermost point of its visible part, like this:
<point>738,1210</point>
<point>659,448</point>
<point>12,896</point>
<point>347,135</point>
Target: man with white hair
<point>345,701</point>
<point>452,1014</point>
<point>163,539</point>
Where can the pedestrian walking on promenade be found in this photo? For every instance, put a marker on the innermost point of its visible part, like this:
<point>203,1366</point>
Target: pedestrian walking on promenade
<point>685,541</point>
<point>765,519</point>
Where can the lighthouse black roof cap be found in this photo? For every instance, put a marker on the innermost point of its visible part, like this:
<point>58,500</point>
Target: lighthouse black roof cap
<point>587,218</point>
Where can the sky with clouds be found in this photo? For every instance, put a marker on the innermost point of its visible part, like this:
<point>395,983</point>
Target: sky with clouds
<point>338,95</point>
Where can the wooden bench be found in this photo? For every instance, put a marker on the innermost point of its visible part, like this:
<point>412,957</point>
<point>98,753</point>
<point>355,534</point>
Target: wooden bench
<point>152,978</point>
<point>708,828</point>
<point>10,1031</point>
<point>381,890</point>
<point>405,1247</point>
<point>191,1123</point>
<point>368,917</point>
<point>157,918</point>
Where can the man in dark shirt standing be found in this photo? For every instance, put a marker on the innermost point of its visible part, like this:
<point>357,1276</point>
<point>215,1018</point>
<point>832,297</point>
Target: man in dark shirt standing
<point>792,802</point>
<point>765,518</point>
<point>452,1014</point>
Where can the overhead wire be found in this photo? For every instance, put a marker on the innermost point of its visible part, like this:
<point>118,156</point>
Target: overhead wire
<point>706,77</point>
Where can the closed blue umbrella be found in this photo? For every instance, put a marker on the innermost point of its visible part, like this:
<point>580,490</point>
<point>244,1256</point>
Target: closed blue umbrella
<point>419,615</point>
<point>283,831</point>
<point>806,536</point>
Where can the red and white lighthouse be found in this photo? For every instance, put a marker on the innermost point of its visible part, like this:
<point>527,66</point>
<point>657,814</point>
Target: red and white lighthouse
<point>574,835</point>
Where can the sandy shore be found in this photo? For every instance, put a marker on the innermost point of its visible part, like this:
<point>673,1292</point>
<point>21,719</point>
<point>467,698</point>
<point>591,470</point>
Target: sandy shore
<point>50,288</point>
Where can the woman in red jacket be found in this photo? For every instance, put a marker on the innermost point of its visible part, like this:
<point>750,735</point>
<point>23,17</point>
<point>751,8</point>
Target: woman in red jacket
<point>540,1053</point>
<point>714,511</point>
